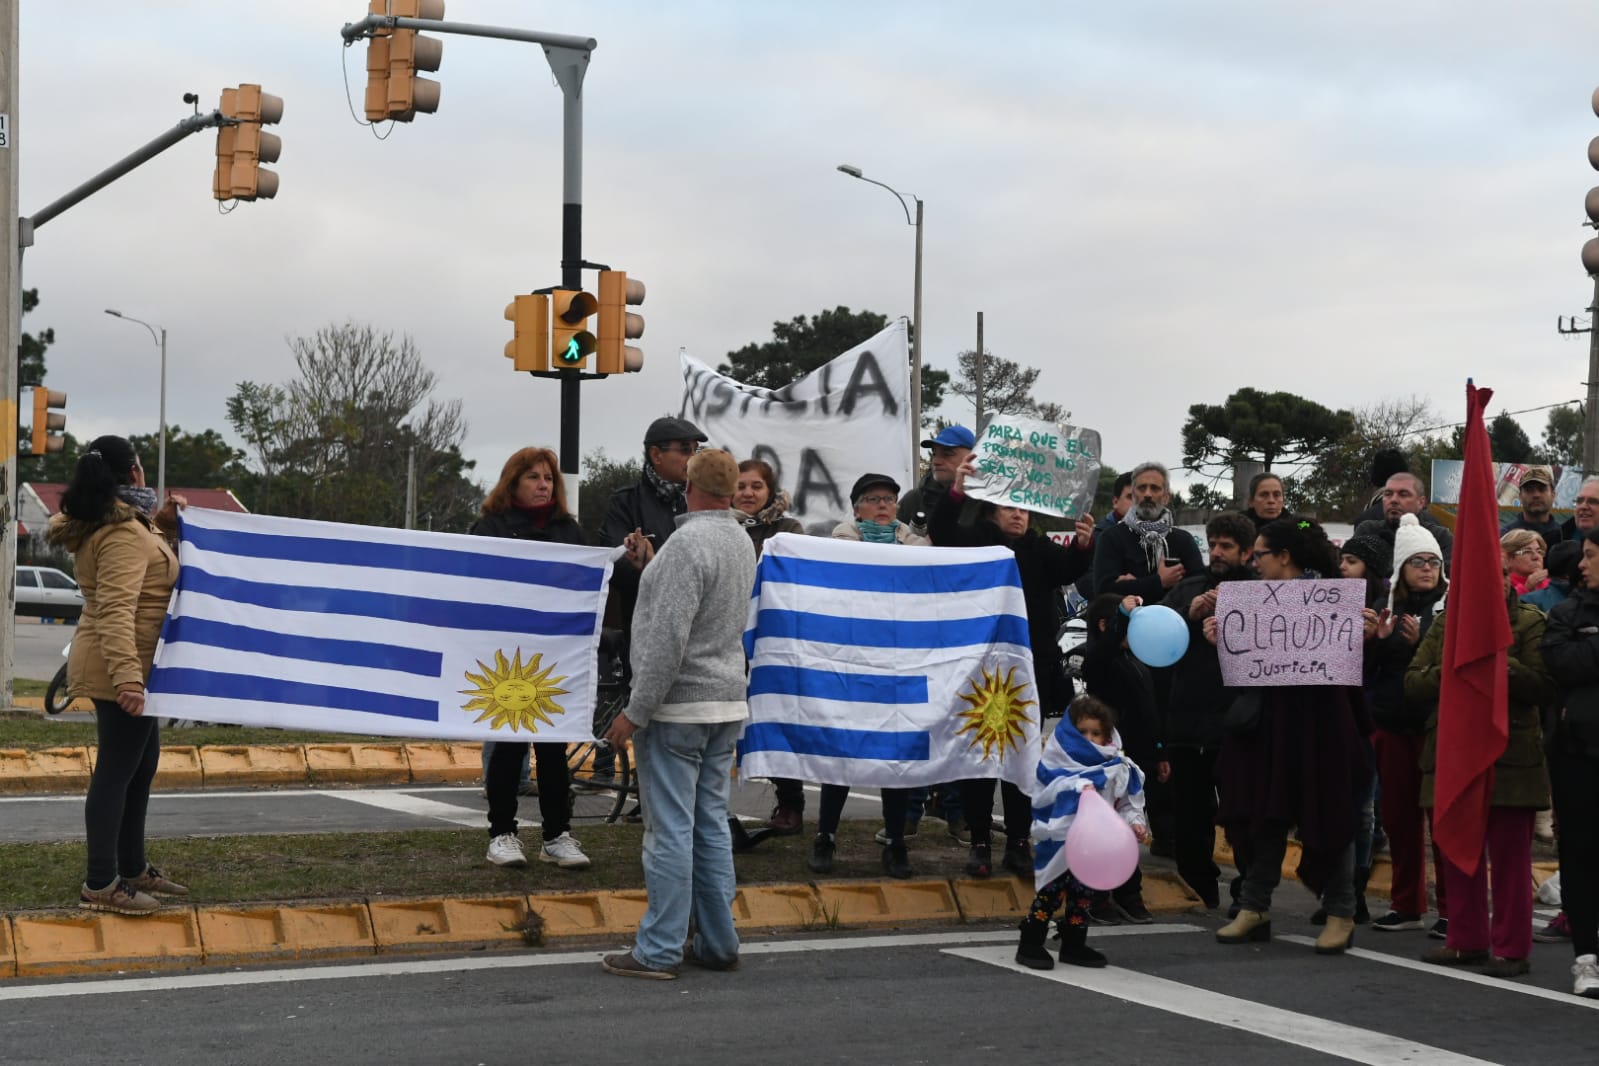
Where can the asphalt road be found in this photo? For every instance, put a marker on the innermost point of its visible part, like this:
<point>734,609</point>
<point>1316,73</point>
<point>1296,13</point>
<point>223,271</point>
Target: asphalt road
<point>26,819</point>
<point>38,648</point>
<point>1172,995</point>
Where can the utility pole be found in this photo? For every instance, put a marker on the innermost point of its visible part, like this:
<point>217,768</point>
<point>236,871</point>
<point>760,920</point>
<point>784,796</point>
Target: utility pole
<point>1590,263</point>
<point>410,487</point>
<point>11,302</point>
<point>979,373</point>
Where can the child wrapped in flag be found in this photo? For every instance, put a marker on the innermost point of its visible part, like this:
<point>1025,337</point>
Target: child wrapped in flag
<point>1083,754</point>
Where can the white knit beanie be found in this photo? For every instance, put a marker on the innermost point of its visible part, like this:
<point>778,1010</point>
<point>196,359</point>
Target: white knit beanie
<point>1411,538</point>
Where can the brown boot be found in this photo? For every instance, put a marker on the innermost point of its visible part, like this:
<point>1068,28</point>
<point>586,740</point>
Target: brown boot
<point>1249,925</point>
<point>1337,936</point>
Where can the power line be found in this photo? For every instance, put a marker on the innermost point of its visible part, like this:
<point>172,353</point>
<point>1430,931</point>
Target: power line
<point>1523,411</point>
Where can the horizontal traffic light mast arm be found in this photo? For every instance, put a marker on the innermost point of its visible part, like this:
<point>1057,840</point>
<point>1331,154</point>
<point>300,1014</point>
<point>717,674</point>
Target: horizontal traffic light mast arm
<point>354,31</point>
<point>190,125</point>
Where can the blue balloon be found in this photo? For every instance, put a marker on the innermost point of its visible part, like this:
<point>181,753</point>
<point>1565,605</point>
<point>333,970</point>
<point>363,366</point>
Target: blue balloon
<point>1157,635</point>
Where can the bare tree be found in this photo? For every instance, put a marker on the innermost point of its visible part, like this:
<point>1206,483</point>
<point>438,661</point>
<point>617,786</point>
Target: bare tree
<point>1007,387</point>
<point>334,441</point>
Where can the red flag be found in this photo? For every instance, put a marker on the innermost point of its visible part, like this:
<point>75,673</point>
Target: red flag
<point>1473,703</point>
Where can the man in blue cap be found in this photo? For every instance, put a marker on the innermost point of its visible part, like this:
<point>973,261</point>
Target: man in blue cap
<point>946,452</point>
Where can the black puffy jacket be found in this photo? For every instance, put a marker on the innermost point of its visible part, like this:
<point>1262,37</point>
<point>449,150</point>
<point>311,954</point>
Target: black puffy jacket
<point>1571,656</point>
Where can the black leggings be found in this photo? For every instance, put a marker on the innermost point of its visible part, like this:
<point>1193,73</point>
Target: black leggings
<point>977,800</point>
<point>505,776</point>
<point>895,803</point>
<point>119,792</point>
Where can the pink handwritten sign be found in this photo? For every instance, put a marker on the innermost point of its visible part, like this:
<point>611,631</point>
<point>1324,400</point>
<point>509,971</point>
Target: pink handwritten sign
<point>1290,632</point>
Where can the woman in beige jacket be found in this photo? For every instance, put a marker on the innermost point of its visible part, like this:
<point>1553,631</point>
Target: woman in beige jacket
<point>126,569</point>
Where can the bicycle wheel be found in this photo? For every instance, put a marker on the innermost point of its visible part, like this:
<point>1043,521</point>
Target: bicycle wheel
<point>601,780</point>
<point>56,699</point>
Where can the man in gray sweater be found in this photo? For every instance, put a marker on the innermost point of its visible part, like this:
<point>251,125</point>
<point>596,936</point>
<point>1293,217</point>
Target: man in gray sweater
<point>684,717</point>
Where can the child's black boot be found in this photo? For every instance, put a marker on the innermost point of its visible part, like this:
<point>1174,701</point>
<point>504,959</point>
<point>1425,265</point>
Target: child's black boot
<point>1031,952</point>
<point>1074,949</point>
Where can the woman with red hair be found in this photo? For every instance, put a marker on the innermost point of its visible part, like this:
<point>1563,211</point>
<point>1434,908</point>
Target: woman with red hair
<point>529,503</point>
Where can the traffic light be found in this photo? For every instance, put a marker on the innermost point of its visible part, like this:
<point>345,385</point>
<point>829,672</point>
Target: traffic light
<point>46,420</point>
<point>571,343</point>
<point>530,350</point>
<point>393,91</point>
<point>617,324</point>
<point>243,147</point>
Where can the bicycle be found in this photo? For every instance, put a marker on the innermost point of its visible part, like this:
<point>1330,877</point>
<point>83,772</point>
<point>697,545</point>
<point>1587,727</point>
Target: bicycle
<point>601,776</point>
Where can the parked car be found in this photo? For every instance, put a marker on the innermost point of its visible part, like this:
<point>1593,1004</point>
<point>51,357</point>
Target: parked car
<point>45,592</point>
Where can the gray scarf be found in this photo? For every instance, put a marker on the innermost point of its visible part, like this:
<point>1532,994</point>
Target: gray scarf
<point>140,499</point>
<point>1152,535</point>
<point>669,492</point>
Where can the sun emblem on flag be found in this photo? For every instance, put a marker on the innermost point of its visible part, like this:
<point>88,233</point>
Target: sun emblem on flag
<point>996,713</point>
<point>512,694</point>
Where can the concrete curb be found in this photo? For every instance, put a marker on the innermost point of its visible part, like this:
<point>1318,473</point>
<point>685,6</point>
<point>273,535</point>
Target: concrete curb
<point>54,943</point>
<point>185,767</point>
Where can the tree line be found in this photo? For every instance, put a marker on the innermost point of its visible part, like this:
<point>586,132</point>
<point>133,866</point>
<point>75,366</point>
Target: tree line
<point>333,442</point>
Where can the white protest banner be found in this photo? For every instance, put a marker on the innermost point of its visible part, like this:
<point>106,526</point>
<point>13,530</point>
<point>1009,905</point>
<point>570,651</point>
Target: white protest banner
<point>1048,467</point>
<point>849,417</point>
<point>1290,632</point>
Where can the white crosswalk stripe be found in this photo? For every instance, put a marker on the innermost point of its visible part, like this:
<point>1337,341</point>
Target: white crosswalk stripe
<point>1290,1027</point>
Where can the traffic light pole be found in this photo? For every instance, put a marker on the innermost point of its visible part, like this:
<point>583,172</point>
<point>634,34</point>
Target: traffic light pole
<point>568,57</point>
<point>569,65</point>
<point>11,302</point>
<point>190,125</point>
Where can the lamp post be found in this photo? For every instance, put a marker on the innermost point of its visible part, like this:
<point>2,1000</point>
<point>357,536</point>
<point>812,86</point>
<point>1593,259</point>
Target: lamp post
<point>161,448</point>
<point>916,310</point>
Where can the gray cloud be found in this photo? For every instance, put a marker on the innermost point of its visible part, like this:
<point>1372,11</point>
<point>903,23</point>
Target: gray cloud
<point>1155,202</point>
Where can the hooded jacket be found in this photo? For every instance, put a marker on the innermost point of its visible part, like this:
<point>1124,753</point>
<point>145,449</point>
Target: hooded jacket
<point>126,570</point>
<point>1519,777</point>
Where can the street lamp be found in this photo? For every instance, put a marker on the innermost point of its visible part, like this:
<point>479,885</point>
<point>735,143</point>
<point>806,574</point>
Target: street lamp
<point>916,310</point>
<point>161,448</point>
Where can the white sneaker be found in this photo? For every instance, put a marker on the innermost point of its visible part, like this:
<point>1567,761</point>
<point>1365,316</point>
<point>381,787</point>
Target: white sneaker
<point>506,850</point>
<point>1585,976</point>
<point>564,852</point>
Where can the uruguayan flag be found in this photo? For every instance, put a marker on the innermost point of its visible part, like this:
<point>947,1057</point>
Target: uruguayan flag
<point>359,629</point>
<point>882,664</point>
<point>1068,763</point>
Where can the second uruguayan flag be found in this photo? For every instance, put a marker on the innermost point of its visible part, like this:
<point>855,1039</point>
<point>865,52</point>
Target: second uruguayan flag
<point>887,665</point>
<point>359,629</point>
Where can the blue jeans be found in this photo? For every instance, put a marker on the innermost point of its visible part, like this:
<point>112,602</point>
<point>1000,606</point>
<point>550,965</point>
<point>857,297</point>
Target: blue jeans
<point>683,777</point>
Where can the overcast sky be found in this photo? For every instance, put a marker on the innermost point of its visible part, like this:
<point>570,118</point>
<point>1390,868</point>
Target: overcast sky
<point>1155,202</point>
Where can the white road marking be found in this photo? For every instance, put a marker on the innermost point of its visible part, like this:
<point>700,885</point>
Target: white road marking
<point>419,806</point>
<point>179,982</point>
<point>1460,974</point>
<point>258,794</point>
<point>1289,1027</point>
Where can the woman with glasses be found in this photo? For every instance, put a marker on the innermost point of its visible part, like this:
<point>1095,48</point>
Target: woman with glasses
<point>875,498</point>
<point>1524,553</point>
<point>1296,757</point>
<point>1571,652</point>
<point>1499,940</point>
<point>1416,599</point>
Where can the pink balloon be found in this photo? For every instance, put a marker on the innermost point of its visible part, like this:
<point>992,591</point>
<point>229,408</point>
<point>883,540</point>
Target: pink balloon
<point>1101,850</point>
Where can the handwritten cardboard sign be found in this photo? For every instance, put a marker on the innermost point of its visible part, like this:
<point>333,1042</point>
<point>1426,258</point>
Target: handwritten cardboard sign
<point>1290,632</point>
<point>1048,467</point>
